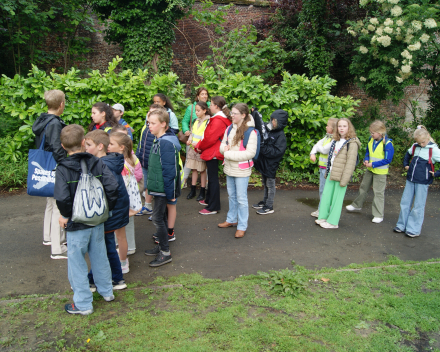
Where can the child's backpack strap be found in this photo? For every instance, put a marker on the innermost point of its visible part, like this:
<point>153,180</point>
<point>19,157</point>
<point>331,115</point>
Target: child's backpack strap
<point>430,160</point>
<point>229,131</point>
<point>414,148</point>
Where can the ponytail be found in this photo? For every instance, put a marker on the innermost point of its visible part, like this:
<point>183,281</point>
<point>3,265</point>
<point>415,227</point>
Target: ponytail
<point>221,103</point>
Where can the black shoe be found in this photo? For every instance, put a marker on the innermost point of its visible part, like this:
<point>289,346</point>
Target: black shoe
<point>171,238</point>
<point>161,259</point>
<point>396,229</point>
<point>259,205</point>
<point>192,193</point>
<point>265,210</point>
<point>201,194</point>
<point>154,251</point>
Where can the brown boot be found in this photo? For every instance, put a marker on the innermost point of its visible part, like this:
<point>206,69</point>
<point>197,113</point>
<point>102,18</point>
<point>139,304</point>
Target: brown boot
<point>227,224</point>
<point>239,233</point>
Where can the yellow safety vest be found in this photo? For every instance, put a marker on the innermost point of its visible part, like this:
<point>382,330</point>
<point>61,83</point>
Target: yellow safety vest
<point>378,154</point>
<point>323,157</point>
<point>198,130</point>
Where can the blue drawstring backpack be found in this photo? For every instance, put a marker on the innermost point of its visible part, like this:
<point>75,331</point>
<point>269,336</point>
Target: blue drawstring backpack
<point>41,171</point>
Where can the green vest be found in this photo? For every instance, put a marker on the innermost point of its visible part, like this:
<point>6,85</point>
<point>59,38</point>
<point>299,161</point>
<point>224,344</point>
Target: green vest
<point>378,154</point>
<point>323,157</point>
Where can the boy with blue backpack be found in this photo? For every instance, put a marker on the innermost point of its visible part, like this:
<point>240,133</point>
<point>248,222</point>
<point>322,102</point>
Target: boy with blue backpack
<point>272,149</point>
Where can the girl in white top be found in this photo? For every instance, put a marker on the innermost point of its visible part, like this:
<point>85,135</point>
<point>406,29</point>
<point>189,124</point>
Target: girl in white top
<point>238,166</point>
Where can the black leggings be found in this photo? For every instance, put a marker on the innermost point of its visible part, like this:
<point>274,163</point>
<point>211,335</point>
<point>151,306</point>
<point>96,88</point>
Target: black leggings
<point>213,192</point>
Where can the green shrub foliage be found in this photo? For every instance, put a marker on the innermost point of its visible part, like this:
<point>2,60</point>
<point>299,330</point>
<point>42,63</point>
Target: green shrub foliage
<point>22,99</point>
<point>307,100</point>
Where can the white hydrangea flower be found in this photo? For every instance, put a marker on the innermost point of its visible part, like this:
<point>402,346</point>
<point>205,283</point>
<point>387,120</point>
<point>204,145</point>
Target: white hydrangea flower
<point>400,23</point>
<point>388,30</point>
<point>375,21</point>
<point>371,27</point>
<point>417,25</point>
<point>388,22</point>
<point>380,1</point>
<point>398,30</point>
<point>429,23</point>
<point>379,31</point>
<point>373,39</point>
<point>406,69</point>
<point>363,49</point>
<point>384,40</point>
<point>399,37</point>
<point>408,38</point>
<point>394,2</point>
<point>410,62</point>
<point>396,11</point>
<point>414,47</point>
<point>364,31</point>
<point>363,2</point>
<point>362,79</point>
<point>424,38</point>
<point>394,62</point>
<point>406,54</point>
<point>399,79</point>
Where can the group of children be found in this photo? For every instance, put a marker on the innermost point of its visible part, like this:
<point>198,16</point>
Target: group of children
<point>338,158</point>
<point>240,139</point>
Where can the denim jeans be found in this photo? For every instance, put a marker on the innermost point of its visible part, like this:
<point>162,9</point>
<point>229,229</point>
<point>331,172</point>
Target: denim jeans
<point>79,243</point>
<point>145,173</point>
<point>238,201</point>
<point>321,184</point>
<point>411,220</point>
<point>269,190</point>
<point>113,258</point>
<point>160,221</point>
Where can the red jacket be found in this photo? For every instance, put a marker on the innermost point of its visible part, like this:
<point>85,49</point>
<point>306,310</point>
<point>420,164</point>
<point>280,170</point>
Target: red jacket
<point>212,137</point>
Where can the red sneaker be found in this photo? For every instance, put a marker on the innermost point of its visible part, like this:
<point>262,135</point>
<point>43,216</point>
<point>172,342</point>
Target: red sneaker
<point>207,212</point>
<point>202,202</point>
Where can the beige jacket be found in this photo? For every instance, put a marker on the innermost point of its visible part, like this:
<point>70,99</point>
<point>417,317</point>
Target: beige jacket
<point>234,155</point>
<point>345,163</point>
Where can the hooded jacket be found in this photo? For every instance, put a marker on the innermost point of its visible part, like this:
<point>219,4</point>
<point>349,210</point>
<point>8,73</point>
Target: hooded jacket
<point>66,181</point>
<point>119,218</point>
<point>344,162</point>
<point>163,169</point>
<point>53,130</point>
<point>144,146</point>
<point>212,137</point>
<point>234,154</point>
<point>273,145</point>
<point>419,168</point>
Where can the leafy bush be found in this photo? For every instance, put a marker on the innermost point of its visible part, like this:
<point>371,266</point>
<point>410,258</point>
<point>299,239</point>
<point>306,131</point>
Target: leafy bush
<point>307,101</point>
<point>12,174</point>
<point>22,98</point>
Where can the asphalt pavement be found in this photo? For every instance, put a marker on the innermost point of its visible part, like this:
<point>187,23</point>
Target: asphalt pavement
<point>272,241</point>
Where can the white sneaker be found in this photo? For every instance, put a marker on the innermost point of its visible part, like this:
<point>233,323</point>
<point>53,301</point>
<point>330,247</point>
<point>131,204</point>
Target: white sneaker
<point>125,268</point>
<point>352,208</point>
<point>315,213</point>
<point>377,220</point>
<point>109,298</point>
<point>319,222</point>
<point>131,251</point>
<point>326,225</point>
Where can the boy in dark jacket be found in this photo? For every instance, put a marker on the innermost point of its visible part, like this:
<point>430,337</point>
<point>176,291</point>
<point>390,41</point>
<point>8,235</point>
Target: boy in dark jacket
<point>50,125</point>
<point>272,149</point>
<point>163,180</point>
<point>142,153</point>
<point>81,238</point>
<point>96,143</point>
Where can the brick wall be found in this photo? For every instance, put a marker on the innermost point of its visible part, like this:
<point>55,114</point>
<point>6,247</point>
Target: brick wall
<point>192,45</point>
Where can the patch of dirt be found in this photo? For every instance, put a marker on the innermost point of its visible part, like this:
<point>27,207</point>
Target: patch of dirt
<point>8,191</point>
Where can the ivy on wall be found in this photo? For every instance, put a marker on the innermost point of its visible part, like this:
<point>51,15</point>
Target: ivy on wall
<point>143,29</point>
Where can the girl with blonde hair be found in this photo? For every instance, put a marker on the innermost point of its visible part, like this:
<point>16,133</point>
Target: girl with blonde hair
<point>378,157</point>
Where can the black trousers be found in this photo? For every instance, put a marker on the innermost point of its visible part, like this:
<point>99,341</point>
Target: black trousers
<point>213,192</point>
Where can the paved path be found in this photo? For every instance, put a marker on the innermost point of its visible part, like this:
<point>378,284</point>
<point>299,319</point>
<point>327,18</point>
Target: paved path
<point>272,241</point>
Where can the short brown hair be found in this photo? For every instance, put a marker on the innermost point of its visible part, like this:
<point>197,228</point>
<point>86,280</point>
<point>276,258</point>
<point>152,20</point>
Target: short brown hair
<point>54,98</point>
<point>119,128</point>
<point>157,106</point>
<point>71,137</point>
<point>162,116</point>
<point>99,137</point>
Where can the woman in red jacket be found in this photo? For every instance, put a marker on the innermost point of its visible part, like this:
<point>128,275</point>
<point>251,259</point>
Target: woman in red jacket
<point>209,147</point>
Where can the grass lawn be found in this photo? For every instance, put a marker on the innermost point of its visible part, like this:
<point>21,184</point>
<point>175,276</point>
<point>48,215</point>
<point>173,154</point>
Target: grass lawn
<point>392,306</point>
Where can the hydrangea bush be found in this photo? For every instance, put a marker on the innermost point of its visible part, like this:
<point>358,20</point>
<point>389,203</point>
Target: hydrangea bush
<point>398,45</point>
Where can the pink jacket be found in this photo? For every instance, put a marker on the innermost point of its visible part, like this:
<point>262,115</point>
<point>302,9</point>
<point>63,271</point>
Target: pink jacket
<point>136,171</point>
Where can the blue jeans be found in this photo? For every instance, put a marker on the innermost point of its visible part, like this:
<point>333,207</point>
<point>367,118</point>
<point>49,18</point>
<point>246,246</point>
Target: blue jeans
<point>79,243</point>
<point>145,173</point>
<point>321,184</point>
<point>238,201</point>
<point>113,258</point>
<point>412,220</point>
